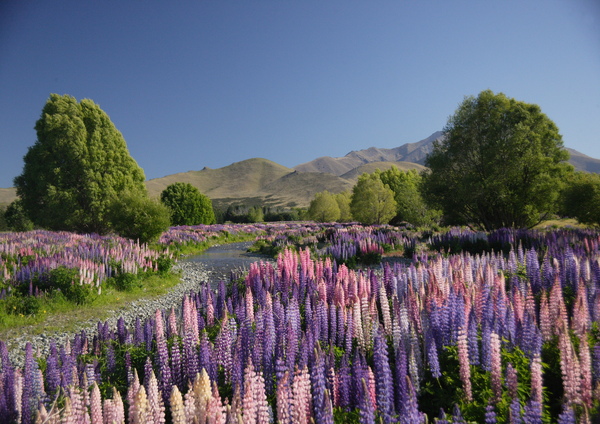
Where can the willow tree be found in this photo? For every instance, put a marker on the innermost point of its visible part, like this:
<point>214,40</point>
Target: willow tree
<point>501,163</point>
<point>372,201</point>
<point>76,168</point>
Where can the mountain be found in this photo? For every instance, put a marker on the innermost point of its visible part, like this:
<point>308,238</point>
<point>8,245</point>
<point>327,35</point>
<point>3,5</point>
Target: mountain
<point>255,182</point>
<point>583,162</point>
<point>409,152</point>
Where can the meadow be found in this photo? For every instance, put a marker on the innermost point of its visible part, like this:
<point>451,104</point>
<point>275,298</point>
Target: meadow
<point>352,324</point>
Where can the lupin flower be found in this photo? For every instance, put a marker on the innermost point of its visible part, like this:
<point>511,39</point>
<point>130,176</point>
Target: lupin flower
<point>383,378</point>
<point>177,408</point>
<point>463,360</point>
<point>96,405</point>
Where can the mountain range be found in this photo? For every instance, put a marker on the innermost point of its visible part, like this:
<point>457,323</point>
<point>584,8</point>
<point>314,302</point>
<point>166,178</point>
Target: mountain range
<point>263,182</point>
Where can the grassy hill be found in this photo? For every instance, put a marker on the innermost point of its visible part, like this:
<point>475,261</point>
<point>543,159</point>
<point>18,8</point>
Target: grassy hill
<point>7,195</point>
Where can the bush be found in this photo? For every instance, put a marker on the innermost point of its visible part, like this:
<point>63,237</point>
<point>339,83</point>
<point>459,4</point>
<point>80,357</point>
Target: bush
<point>137,217</point>
<point>126,281</point>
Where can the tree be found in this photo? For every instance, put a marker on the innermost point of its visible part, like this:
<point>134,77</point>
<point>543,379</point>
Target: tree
<point>372,201</point>
<point>343,200</point>
<point>15,217</point>
<point>137,217</point>
<point>256,214</point>
<point>410,205</point>
<point>324,208</point>
<point>188,206</point>
<point>500,164</point>
<point>75,169</point>
<point>581,198</point>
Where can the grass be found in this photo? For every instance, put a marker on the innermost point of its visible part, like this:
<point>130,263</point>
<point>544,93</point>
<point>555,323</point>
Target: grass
<point>57,315</point>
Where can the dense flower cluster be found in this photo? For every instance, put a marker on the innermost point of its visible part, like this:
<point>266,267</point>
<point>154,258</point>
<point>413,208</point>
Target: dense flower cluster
<point>30,255</point>
<point>484,338</point>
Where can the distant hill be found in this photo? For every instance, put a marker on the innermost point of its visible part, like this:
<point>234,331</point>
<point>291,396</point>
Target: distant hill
<point>583,162</point>
<point>263,182</point>
<point>409,152</point>
<point>255,182</point>
<point>7,195</point>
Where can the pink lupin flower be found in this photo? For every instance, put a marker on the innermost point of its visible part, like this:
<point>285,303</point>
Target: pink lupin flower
<point>301,397</point>
<point>96,405</point>
<point>172,322</point>
<point>545,322</point>
<point>385,310</point>
<point>536,379</point>
<point>569,366</point>
<point>250,410</point>
<point>284,397</point>
<point>463,360</point>
<point>133,387</point>
<point>155,401</point>
<point>585,364</point>
<point>496,365</point>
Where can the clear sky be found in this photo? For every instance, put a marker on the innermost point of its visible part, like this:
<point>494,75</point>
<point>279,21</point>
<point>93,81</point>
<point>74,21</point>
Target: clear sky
<point>211,82</point>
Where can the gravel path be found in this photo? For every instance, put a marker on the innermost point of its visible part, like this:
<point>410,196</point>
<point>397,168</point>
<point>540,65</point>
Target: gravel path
<point>214,265</point>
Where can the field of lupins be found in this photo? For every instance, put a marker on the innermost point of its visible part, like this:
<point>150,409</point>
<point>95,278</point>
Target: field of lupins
<point>499,327</point>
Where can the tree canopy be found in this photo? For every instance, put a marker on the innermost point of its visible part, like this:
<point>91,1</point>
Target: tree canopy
<point>78,165</point>
<point>372,201</point>
<point>581,198</point>
<point>500,164</point>
<point>410,205</point>
<point>324,207</point>
<point>188,206</point>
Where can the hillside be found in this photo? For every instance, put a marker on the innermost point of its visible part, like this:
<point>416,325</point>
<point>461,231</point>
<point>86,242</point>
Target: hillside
<point>255,182</point>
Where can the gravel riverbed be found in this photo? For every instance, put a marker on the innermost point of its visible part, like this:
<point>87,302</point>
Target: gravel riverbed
<point>215,264</point>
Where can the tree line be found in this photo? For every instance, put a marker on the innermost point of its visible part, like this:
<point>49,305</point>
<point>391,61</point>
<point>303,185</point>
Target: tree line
<point>500,163</point>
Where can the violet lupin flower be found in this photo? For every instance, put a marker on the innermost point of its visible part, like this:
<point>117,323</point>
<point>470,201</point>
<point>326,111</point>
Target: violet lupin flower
<point>490,414</point>
<point>30,396</point>
<point>383,378</point>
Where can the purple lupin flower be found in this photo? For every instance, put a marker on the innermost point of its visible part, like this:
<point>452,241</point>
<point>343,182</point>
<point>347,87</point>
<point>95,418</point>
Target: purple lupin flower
<point>457,417</point>
<point>514,412</point>
<point>533,412</point>
<point>567,416</point>
<point>52,370</point>
<point>383,378</point>
<point>30,396</point>
<point>490,414</point>
<point>176,365</point>
<point>162,353</point>
<point>365,407</point>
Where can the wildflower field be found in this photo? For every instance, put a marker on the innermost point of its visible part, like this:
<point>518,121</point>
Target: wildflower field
<point>468,327</point>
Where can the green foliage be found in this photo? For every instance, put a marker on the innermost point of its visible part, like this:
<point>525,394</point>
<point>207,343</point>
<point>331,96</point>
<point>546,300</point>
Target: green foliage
<point>255,214</point>
<point>343,200</point>
<point>500,164</point>
<point>19,304</point>
<point>137,217</point>
<point>188,206</point>
<point>372,201</point>
<point>581,198</point>
<point>324,208</point>
<point>77,166</point>
<point>15,217</point>
<point>410,205</point>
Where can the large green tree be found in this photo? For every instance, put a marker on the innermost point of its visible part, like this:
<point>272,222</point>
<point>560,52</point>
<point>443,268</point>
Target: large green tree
<point>76,168</point>
<point>372,201</point>
<point>324,207</point>
<point>500,164</point>
<point>188,206</point>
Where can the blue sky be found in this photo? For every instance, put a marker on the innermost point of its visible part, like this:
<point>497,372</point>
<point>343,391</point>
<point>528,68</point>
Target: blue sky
<point>208,83</point>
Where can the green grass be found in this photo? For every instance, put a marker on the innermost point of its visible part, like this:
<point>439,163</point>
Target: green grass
<point>56,314</point>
